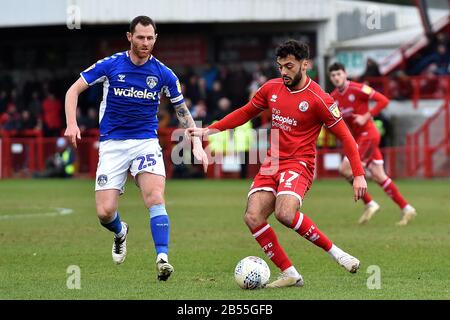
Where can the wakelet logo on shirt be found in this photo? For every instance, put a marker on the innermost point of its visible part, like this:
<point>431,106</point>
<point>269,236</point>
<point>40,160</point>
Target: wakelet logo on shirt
<point>132,93</point>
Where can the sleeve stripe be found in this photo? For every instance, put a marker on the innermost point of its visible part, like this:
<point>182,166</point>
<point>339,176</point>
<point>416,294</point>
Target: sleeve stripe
<point>177,99</point>
<point>335,123</point>
<point>257,106</point>
<point>82,77</point>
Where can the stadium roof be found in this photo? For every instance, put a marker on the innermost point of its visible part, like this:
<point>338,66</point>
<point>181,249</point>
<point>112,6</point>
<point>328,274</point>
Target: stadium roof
<point>56,12</point>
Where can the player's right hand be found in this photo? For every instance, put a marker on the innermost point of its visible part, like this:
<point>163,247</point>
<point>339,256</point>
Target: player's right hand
<point>359,187</point>
<point>73,133</point>
<point>196,132</point>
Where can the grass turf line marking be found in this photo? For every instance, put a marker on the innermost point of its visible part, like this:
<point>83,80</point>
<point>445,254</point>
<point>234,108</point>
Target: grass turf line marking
<point>57,212</point>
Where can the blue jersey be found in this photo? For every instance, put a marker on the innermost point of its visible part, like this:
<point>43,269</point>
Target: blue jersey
<point>131,95</point>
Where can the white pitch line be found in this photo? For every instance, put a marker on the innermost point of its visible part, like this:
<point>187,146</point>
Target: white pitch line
<point>57,212</point>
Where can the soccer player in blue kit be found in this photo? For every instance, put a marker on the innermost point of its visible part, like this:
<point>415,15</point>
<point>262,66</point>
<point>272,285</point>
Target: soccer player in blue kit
<point>132,83</point>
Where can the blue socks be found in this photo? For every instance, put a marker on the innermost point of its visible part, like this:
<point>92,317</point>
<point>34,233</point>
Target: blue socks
<point>159,225</point>
<point>115,225</point>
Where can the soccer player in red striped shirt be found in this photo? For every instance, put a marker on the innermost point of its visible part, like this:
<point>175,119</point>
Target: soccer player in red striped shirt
<point>353,101</point>
<point>299,109</point>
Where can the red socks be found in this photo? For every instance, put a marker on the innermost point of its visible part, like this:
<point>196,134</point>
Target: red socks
<point>392,191</point>
<point>308,230</point>
<point>367,198</point>
<point>268,241</point>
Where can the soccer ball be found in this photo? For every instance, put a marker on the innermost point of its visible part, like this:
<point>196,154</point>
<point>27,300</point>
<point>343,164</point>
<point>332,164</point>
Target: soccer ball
<point>252,273</point>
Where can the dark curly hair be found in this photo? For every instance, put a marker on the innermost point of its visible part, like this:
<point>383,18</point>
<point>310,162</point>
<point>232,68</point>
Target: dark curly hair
<point>299,50</point>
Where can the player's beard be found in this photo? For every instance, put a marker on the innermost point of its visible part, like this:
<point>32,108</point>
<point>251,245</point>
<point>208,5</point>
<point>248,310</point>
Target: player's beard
<point>138,51</point>
<point>295,81</point>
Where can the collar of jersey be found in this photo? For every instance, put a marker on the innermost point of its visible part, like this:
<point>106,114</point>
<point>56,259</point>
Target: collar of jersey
<point>304,87</point>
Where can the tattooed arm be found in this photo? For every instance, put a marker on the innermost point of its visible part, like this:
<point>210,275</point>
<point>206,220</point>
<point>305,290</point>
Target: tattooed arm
<point>186,121</point>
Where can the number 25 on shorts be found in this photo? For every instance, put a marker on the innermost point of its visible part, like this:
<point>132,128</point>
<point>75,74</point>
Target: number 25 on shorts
<point>149,158</point>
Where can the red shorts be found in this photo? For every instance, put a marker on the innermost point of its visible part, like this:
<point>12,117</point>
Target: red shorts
<point>368,149</point>
<point>289,177</point>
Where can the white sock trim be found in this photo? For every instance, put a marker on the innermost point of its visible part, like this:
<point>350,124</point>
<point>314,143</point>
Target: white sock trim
<point>162,256</point>
<point>292,272</point>
<point>299,222</point>
<point>260,232</point>
<point>122,232</point>
<point>335,251</point>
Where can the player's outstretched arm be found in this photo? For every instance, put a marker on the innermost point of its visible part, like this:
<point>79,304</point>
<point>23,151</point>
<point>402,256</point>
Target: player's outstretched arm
<point>72,131</point>
<point>341,131</point>
<point>186,121</point>
<point>235,119</point>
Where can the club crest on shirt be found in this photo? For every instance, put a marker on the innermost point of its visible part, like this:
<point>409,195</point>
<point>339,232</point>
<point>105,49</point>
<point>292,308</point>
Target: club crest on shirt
<point>351,97</point>
<point>303,106</point>
<point>334,109</point>
<point>152,81</point>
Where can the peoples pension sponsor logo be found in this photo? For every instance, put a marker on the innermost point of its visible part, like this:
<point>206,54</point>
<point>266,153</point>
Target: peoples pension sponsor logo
<point>282,122</point>
<point>132,93</point>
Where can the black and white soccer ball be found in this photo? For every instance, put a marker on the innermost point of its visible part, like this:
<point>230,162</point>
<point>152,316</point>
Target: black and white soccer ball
<point>252,273</point>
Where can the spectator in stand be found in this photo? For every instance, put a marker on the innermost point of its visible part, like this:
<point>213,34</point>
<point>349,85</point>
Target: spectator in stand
<point>435,63</point>
<point>372,70</point>
<point>28,121</point>
<point>235,82</point>
<point>61,164</point>
<point>35,105</point>
<point>223,108</point>
<point>442,60</point>
<point>3,100</point>
<point>192,89</point>
<point>210,75</point>
<point>202,89</point>
<point>199,112</point>
<point>10,120</point>
<point>51,114</point>
<point>214,95</point>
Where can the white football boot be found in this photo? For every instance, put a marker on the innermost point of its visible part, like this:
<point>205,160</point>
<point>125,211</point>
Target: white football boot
<point>369,211</point>
<point>164,269</point>
<point>408,213</point>
<point>350,263</point>
<point>285,280</point>
<point>119,248</point>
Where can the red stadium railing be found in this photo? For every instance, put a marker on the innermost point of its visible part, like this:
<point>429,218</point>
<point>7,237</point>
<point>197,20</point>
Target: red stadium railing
<point>426,154</point>
<point>412,88</point>
<point>429,144</point>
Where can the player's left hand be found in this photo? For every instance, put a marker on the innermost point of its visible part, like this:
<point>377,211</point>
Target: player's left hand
<point>200,154</point>
<point>361,119</point>
<point>359,187</point>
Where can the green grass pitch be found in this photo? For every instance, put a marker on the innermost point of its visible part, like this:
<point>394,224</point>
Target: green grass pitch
<point>208,238</point>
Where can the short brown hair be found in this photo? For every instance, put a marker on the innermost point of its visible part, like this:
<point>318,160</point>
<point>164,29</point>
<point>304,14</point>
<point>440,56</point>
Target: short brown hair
<point>144,20</point>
